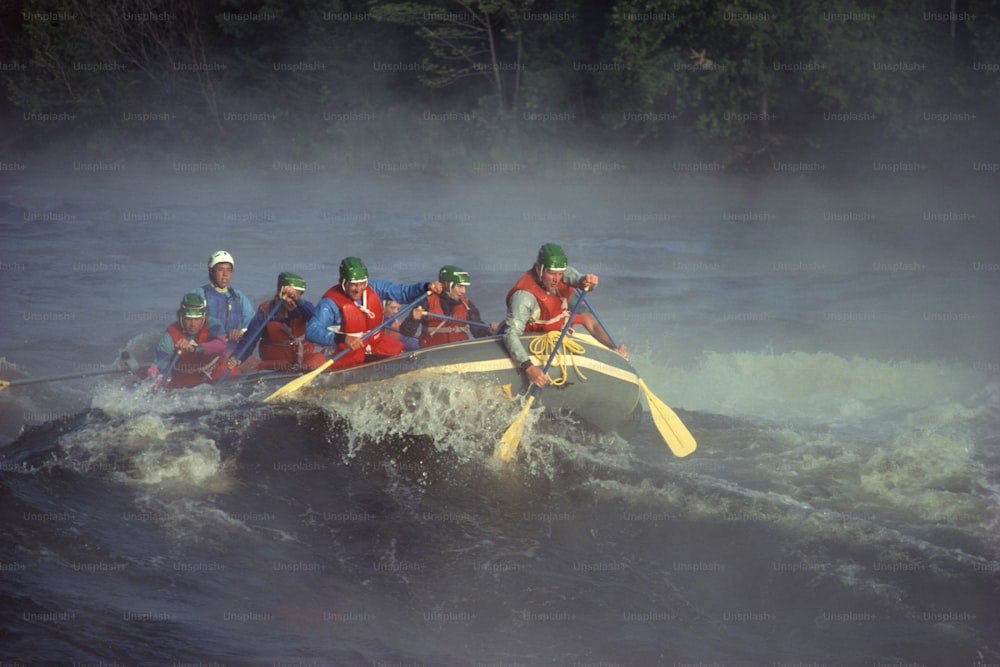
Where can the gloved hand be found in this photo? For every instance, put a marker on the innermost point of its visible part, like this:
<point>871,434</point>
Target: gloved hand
<point>154,373</point>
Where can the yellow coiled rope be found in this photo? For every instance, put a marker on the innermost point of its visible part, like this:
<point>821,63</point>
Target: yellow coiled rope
<point>542,346</point>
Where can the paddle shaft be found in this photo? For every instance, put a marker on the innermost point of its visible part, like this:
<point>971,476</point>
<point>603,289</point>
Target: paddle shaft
<point>387,322</point>
<point>555,349</point>
<point>671,428</point>
<point>17,383</point>
<point>124,359</point>
<point>250,341</point>
<point>481,325</point>
<point>511,438</point>
<point>170,369</point>
<point>583,297</point>
<point>449,318</point>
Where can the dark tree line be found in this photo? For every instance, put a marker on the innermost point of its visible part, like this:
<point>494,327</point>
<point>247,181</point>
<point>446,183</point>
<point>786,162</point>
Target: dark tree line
<point>748,82</point>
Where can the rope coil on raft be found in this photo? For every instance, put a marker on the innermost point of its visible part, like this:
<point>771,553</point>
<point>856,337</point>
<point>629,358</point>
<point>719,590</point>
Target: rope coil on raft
<point>543,346</point>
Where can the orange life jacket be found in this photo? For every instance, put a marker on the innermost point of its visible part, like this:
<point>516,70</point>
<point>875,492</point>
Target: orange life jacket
<point>438,331</point>
<point>553,308</point>
<point>194,368</point>
<point>357,322</point>
<point>283,345</point>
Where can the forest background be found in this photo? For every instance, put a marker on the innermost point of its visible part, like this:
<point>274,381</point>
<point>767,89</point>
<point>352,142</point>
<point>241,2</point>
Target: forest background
<point>540,88</point>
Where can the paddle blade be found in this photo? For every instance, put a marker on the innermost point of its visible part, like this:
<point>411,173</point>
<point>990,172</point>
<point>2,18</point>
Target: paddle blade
<point>670,426</point>
<point>511,438</point>
<point>299,382</point>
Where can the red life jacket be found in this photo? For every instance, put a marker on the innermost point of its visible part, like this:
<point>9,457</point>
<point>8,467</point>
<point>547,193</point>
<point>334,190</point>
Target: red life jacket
<point>357,322</point>
<point>553,308</point>
<point>194,368</point>
<point>283,345</point>
<point>437,331</point>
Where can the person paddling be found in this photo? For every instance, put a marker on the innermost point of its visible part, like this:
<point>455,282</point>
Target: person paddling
<point>540,301</point>
<point>280,339</point>
<point>452,302</point>
<point>353,307</point>
<point>199,340</point>
<point>390,308</point>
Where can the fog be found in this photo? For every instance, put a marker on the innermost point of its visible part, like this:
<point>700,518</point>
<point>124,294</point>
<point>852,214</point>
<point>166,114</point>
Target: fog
<point>793,213</point>
<point>881,266</point>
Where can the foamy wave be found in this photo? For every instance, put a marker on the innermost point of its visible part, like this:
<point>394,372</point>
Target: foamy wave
<point>821,388</point>
<point>464,418</point>
<point>457,414</point>
<point>931,478</point>
<point>123,402</point>
<point>899,443</point>
<point>688,497</point>
<point>191,462</point>
<point>148,448</point>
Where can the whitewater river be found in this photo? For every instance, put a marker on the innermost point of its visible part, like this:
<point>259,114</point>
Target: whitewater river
<point>832,349</point>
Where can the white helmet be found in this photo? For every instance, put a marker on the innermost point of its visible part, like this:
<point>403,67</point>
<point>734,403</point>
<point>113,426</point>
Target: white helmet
<point>219,257</point>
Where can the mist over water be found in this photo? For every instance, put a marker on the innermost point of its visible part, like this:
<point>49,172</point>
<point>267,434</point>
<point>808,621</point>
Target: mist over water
<point>897,267</point>
<point>830,347</point>
<point>821,315</point>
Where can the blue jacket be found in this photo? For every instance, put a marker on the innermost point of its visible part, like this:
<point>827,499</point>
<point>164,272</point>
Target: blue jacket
<point>231,308</point>
<point>328,317</point>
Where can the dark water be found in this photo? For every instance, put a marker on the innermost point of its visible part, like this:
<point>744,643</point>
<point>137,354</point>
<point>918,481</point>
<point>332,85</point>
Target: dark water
<point>841,508</point>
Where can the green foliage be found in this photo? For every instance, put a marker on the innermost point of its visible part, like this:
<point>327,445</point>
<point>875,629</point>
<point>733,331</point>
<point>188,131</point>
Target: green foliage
<point>61,63</point>
<point>110,62</point>
<point>549,84</point>
<point>764,74</point>
<point>475,39</point>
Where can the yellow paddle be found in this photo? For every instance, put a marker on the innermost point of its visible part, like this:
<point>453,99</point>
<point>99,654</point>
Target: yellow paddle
<point>511,438</point>
<point>307,379</point>
<point>670,426</point>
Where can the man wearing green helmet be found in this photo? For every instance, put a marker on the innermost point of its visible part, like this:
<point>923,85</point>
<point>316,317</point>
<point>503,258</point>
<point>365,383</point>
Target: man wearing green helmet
<point>540,302</point>
<point>280,339</point>
<point>353,307</point>
<point>452,302</point>
<point>200,340</point>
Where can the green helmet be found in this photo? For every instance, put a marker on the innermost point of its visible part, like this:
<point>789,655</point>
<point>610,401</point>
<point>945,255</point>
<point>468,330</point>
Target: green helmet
<point>551,256</point>
<point>352,270</point>
<point>193,305</point>
<point>450,276</point>
<point>286,279</point>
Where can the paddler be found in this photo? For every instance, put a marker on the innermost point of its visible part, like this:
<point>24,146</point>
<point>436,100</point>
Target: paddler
<point>390,308</point>
<point>452,302</point>
<point>280,340</point>
<point>200,341</point>
<point>353,307</point>
<point>540,301</point>
<point>226,304</point>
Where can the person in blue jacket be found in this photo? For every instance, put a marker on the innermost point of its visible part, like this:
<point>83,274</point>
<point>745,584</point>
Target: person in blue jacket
<point>353,307</point>
<point>226,304</point>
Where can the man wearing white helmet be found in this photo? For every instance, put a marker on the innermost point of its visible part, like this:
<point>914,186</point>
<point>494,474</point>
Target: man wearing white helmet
<point>226,304</point>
